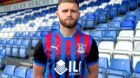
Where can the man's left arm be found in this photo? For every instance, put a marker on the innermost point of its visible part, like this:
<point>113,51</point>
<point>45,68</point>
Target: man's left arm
<point>93,71</point>
<point>92,61</point>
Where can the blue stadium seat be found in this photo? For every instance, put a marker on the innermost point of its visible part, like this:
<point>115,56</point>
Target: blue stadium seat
<point>3,42</point>
<point>91,20</point>
<point>123,7</point>
<point>102,26</point>
<point>55,25</point>
<point>83,21</point>
<point>29,73</point>
<point>136,73</point>
<point>114,26</point>
<point>25,43</point>
<point>103,66</point>
<point>109,35</point>
<point>2,57</point>
<point>9,42</point>
<point>34,42</point>
<point>138,3</point>
<point>137,17</point>
<point>133,13</point>
<point>130,18</point>
<point>18,21</point>
<point>97,35</point>
<point>132,4</point>
<point>8,51</point>
<point>113,12</point>
<point>20,72</point>
<point>8,71</point>
<point>102,18</point>
<point>17,42</point>
<point>37,34</point>
<point>32,24</point>
<point>30,34</point>
<point>117,19</point>
<point>15,51</point>
<point>127,25</point>
<point>119,68</point>
<point>23,52</point>
<point>26,18</point>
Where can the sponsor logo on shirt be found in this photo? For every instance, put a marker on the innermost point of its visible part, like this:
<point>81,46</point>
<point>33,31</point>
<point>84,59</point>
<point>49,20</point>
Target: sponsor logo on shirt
<point>61,68</point>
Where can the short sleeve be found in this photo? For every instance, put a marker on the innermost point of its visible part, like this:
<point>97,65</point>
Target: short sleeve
<point>39,56</point>
<point>93,55</point>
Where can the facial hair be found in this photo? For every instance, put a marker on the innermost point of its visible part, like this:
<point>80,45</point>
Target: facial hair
<point>68,25</point>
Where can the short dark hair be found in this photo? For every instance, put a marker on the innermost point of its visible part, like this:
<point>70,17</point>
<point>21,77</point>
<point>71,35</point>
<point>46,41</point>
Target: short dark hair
<point>69,1</point>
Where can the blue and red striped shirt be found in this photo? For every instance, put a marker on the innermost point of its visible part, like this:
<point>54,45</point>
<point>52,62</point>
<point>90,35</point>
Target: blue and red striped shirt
<point>66,57</point>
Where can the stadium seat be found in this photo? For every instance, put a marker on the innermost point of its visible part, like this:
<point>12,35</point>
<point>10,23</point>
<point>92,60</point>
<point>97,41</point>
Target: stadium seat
<point>97,35</point>
<point>130,18</point>
<point>55,25</point>
<point>23,52</point>
<point>106,51</point>
<point>34,42</point>
<point>25,43</point>
<point>136,73</point>
<point>15,52</point>
<point>2,57</point>
<point>109,35</point>
<point>123,49</point>
<point>8,51</point>
<point>29,73</point>
<point>119,68</point>
<point>91,20</point>
<point>127,25</point>
<point>83,21</point>
<point>8,71</point>
<point>132,4</point>
<point>126,35</point>
<point>137,17</point>
<point>113,12</point>
<point>103,66</point>
<point>102,26</point>
<point>20,72</point>
<point>102,18</point>
<point>136,53</point>
<point>137,35</point>
<point>117,19</point>
<point>114,26</point>
<point>17,42</point>
<point>123,7</point>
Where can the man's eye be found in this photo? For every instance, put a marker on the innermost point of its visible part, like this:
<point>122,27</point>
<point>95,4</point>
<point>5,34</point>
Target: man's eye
<point>73,11</point>
<point>65,10</point>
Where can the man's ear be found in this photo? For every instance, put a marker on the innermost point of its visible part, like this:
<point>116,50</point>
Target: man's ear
<point>56,13</point>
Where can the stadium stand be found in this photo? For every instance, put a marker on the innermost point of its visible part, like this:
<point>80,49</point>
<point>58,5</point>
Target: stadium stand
<point>114,24</point>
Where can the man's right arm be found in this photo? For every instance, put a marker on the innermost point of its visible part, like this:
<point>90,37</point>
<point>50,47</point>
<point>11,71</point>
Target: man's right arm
<point>39,61</point>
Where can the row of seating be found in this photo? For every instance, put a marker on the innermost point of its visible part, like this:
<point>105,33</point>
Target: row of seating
<point>11,71</point>
<point>118,68</point>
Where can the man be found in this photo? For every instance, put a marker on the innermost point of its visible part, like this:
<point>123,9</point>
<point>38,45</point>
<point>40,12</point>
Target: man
<point>66,53</point>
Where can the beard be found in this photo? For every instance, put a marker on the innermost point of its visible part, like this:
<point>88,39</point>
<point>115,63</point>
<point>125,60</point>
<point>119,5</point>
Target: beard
<point>69,25</point>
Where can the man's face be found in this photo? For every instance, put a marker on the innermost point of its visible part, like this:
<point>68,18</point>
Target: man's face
<point>68,14</point>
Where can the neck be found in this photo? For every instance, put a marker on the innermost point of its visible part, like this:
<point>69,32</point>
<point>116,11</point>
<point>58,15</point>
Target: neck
<point>67,32</point>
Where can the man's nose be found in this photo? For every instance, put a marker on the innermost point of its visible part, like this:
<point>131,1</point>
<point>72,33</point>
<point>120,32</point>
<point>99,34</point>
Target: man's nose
<point>69,13</point>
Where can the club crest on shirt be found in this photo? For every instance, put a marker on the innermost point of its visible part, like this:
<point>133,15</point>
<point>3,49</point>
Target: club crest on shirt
<point>81,48</point>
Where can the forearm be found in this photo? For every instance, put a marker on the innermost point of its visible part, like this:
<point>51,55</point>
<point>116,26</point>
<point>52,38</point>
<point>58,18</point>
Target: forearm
<point>38,75</point>
<point>93,75</point>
